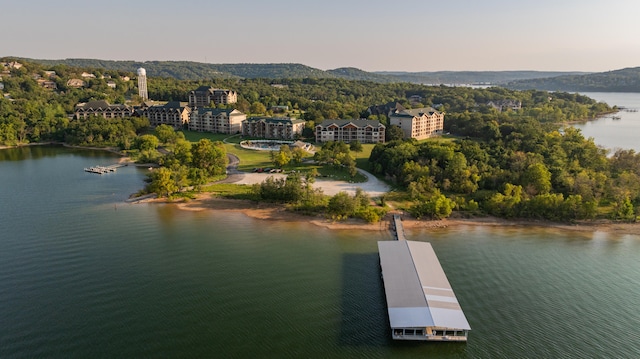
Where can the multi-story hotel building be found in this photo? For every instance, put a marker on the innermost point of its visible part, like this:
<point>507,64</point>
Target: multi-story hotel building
<point>203,96</point>
<point>174,114</point>
<point>363,131</point>
<point>216,120</point>
<point>270,127</point>
<point>102,108</point>
<point>418,123</point>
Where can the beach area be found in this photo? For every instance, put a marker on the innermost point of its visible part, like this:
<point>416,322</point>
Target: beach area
<point>274,212</point>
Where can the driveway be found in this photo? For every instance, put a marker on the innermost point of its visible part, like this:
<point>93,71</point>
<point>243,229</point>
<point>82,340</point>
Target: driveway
<point>373,187</point>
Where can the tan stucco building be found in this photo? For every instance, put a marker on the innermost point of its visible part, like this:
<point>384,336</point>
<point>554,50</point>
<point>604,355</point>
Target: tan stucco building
<point>418,123</point>
<point>216,120</point>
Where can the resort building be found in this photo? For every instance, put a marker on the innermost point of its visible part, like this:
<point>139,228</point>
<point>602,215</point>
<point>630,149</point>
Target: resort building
<point>204,96</point>
<point>420,302</point>
<point>418,123</point>
<point>102,108</point>
<point>363,131</point>
<point>271,127</point>
<point>216,120</point>
<point>174,114</point>
<point>502,105</point>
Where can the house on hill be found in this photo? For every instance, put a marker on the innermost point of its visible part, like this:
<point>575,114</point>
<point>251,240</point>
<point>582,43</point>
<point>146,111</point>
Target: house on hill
<point>502,105</point>
<point>77,83</point>
<point>206,119</point>
<point>363,131</point>
<point>418,123</point>
<point>203,96</point>
<point>272,127</point>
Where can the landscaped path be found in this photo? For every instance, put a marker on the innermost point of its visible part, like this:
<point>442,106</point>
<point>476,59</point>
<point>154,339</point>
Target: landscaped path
<point>373,187</point>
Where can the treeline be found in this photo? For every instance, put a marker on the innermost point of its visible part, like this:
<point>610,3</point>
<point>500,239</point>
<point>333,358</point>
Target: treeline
<point>624,80</point>
<point>35,114</point>
<point>299,195</point>
<point>520,169</point>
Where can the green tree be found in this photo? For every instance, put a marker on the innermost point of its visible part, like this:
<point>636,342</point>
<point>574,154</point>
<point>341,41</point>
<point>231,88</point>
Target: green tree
<point>210,157</point>
<point>162,182</point>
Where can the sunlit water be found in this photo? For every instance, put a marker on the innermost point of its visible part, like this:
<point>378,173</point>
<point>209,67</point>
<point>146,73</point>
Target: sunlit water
<point>84,274</point>
<point>619,130</point>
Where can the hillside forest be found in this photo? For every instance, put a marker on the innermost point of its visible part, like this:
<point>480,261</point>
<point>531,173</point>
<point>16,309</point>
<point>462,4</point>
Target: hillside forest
<point>524,163</point>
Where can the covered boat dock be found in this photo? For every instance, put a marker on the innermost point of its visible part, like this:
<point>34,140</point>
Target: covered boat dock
<point>420,301</point>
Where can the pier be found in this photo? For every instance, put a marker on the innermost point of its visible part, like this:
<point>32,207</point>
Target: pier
<point>420,301</point>
<point>104,169</point>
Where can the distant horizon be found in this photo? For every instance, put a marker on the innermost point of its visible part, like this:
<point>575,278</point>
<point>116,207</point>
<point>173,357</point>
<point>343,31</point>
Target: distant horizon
<point>406,35</point>
<point>299,63</point>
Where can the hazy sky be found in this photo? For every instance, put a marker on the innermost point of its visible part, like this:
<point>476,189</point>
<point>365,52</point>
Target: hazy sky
<point>373,35</point>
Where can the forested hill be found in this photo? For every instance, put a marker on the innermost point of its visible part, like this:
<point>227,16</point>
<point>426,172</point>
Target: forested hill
<point>352,73</point>
<point>471,77</point>
<point>188,70</point>
<point>624,80</point>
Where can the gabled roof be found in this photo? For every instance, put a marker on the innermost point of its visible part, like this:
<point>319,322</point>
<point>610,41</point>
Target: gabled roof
<point>275,120</point>
<point>417,289</point>
<point>100,104</point>
<point>217,111</point>
<point>359,123</point>
<point>415,112</point>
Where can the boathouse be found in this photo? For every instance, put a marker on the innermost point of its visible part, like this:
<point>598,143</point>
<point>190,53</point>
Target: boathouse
<point>420,301</point>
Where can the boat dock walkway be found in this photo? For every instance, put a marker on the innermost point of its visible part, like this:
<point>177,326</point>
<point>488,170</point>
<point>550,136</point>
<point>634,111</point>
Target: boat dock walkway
<point>397,229</point>
<point>104,169</point>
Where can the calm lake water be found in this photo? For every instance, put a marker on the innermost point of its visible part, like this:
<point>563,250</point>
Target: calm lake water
<point>618,130</point>
<point>84,274</point>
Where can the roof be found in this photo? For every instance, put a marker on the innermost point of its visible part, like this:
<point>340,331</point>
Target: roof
<point>275,120</point>
<point>415,112</point>
<point>417,290</point>
<point>359,123</point>
<point>217,111</point>
<point>100,104</point>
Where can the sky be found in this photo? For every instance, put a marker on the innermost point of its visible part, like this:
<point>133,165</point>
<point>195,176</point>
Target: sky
<point>372,35</point>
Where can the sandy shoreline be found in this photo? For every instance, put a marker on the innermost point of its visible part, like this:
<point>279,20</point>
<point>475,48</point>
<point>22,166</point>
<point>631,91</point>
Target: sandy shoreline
<point>271,212</point>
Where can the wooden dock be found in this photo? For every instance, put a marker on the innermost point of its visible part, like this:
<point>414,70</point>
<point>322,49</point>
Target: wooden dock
<point>397,229</point>
<point>104,169</point>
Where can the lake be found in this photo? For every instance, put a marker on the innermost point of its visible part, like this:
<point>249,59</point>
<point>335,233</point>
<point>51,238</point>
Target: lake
<point>618,130</point>
<point>84,274</point>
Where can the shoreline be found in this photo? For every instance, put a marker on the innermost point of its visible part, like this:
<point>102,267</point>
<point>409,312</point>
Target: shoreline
<point>274,212</point>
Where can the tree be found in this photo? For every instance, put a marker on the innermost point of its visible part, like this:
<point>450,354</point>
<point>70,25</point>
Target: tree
<point>257,108</point>
<point>165,133</point>
<point>210,157</point>
<point>394,133</point>
<point>356,146</point>
<point>282,157</point>
<point>162,182</point>
<point>537,179</point>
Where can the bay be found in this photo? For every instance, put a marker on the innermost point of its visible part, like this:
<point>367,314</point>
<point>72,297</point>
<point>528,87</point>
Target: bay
<point>616,131</point>
<point>84,274</point>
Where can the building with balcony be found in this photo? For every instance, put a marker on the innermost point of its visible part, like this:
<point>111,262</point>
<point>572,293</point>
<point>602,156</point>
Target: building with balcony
<point>215,120</point>
<point>174,114</point>
<point>102,108</point>
<point>418,123</point>
<point>363,131</point>
<point>203,96</point>
<point>273,127</point>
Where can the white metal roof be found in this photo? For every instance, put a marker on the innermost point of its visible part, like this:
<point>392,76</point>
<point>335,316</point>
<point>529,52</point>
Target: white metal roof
<point>417,290</point>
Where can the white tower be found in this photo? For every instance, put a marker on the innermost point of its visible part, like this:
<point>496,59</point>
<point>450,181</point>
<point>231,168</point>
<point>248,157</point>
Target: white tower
<point>142,84</point>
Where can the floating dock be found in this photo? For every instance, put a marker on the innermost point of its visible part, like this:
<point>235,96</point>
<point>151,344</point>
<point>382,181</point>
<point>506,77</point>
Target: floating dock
<point>103,169</point>
<point>420,300</point>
